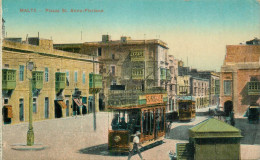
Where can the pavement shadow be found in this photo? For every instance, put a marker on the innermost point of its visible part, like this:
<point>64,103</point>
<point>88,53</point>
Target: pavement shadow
<point>180,132</point>
<point>249,131</point>
<point>102,149</point>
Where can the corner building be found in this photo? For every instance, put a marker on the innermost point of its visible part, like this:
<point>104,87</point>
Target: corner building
<point>240,78</point>
<point>60,81</point>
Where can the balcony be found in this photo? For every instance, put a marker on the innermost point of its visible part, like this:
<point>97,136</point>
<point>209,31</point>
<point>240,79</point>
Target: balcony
<point>138,73</point>
<point>254,88</point>
<point>163,74</point>
<point>95,82</point>
<point>60,82</point>
<point>8,79</point>
<point>137,55</point>
<point>168,75</point>
<point>37,79</point>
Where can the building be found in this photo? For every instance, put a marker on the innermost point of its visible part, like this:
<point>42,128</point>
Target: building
<point>62,82</point>
<point>172,83</point>
<point>213,78</point>
<point>3,28</point>
<point>127,64</point>
<point>240,78</point>
<point>200,91</point>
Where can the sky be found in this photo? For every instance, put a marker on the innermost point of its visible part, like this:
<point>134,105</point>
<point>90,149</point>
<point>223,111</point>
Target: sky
<point>196,31</point>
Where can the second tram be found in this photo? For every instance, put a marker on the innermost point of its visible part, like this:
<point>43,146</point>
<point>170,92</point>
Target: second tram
<point>186,109</point>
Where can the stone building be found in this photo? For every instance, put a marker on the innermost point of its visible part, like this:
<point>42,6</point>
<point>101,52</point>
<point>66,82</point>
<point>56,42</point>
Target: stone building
<point>61,81</point>
<point>213,78</point>
<point>240,78</point>
<point>127,64</point>
<point>172,83</point>
<point>200,91</point>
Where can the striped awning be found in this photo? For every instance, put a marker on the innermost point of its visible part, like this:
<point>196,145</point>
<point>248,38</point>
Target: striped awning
<point>77,101</point>
<point>62,104</point>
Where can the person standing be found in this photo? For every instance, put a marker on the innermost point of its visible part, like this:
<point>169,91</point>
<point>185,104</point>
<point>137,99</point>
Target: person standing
<point>136,142</point>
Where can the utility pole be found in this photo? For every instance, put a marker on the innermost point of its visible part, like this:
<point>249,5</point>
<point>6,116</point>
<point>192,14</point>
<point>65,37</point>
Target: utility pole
<point>30,133</point>
<point>94,96</point>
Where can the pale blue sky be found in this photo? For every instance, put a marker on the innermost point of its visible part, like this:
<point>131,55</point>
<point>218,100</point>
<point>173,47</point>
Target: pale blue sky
<point>197,29</point>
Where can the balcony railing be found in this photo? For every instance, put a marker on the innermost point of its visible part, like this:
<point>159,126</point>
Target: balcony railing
<point>37,79</point>
<point>254,88</point>
<point>8,79</point>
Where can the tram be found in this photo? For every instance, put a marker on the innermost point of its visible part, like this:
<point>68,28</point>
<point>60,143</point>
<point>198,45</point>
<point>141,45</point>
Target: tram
<point>186,109</point>
<point>136,112</point>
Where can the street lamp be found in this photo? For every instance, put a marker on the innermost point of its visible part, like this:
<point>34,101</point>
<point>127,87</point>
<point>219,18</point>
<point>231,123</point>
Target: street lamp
<point>30,133</point>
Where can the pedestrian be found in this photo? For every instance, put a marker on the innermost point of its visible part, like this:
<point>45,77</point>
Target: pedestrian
<point>135,146</point>
<point>168,129</point>
<point>232,119</point>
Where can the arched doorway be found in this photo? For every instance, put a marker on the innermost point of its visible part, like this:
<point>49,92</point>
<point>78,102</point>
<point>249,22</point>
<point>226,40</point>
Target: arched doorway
<point>228,107</point>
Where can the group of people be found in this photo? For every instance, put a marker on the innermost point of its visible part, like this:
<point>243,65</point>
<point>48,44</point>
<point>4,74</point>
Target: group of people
<point>118,125</point>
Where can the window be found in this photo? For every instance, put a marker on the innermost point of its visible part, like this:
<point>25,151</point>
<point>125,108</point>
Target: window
<point>46,74</point>
<point>75,76</point>
<point>46,107</point>
<point>34,105</point>
<point>171,87</point>
<point>67,78</point>
<point>83,78</point>
<point>113,56</point>
<point>99,51</point>
<point>113,82</point>
<point>21,108</point>
<point>227,87</point>
<point>113,70</point>
<point>84,100</point>
<point>21,73</point>
<point>6,101</point>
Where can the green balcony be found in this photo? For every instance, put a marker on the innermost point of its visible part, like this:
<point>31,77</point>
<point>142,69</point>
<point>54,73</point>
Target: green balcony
<point>37,79</point>
<point>254,88</point>
<point>60,80</point>
<point>95,81</point>
<point>8,79</point>
<point>163,73</point>
<point>168,75</point>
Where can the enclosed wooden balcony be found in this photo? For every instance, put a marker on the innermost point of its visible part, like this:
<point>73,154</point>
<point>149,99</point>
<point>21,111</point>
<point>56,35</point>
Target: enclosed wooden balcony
<point>8,79</point>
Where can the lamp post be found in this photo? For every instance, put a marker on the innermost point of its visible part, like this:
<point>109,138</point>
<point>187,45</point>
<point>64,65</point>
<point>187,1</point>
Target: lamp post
<point>30,133</point>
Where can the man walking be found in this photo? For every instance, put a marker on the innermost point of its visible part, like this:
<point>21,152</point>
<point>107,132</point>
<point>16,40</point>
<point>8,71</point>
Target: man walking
<point>135,146</point>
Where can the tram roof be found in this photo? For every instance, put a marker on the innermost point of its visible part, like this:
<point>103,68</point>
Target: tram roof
<point>137,106</point>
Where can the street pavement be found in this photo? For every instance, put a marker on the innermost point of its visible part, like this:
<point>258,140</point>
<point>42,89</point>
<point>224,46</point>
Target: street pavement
<point>73,138</point>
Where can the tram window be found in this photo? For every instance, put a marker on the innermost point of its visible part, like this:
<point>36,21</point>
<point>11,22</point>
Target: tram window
<point>119,121</point>
<point>145,122</point>
<point>151,121</point>
<point>158,120</point>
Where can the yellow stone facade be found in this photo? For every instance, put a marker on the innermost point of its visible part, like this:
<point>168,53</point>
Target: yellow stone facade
<point>43,56</point>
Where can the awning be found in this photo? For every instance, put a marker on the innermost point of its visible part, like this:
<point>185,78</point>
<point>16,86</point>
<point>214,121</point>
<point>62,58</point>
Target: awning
<point>9,111</point>
<point>77,101</point>
<point>62,104</point>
